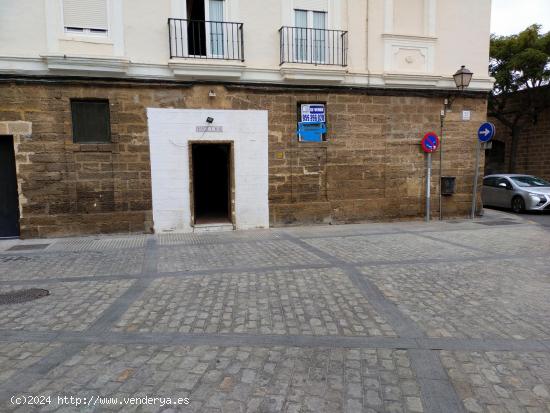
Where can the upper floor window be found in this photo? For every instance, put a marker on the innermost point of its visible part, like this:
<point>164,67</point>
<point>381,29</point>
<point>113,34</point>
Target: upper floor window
<point>310,18</point>
<point>207,35</point>
<point>309,40</point>
<point>310,36</point>
<point>85,16</point>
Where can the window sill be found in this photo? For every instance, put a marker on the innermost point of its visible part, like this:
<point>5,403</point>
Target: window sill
<point>294,72</point>
<point>90,38</point>
<point>207,68</point>
<point>94,64</point>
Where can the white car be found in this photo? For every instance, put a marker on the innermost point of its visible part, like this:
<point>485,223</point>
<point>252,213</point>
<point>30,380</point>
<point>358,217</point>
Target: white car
<point>515,191</point>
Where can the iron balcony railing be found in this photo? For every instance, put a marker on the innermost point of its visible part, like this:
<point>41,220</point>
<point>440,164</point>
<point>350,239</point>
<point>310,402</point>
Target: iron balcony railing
<point>313,46</point>
<point>203,39</point>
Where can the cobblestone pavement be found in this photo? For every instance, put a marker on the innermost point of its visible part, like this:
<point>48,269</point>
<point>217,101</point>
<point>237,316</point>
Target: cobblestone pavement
<point>471,299</point>
<point>70,264</point>
<point>71,306</point>
<point>356,249</point>
<point>18,356</point>
<point>401,317</point>
<point>500,381</point>
<point>310,302</point>
<point>254,254</point>
<point>541,218</point>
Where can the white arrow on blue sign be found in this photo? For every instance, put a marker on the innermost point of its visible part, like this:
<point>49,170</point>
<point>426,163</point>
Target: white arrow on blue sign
<point>486,132</point>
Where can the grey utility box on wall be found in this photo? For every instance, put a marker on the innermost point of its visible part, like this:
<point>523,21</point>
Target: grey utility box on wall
<point>448,185</point>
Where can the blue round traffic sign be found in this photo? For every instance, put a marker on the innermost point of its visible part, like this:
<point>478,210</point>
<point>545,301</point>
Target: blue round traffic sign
<point>430,142</point>
<point>486,132</point>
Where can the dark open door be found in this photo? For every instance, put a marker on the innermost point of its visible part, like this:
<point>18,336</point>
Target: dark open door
<point>9,204</point>
<point>196,28</point>
<point>211,183</point>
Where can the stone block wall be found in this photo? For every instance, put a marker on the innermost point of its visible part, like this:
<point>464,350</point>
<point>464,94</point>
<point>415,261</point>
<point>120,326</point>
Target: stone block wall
<point>533,156</point>
<point>67,188</point>
<point>370,168</point>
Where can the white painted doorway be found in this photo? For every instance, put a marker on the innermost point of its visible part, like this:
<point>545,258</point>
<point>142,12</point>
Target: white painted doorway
<point>172,132</point>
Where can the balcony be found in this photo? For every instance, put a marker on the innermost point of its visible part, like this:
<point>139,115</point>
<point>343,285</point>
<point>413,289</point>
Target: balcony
<point>313,46</point>
<point>202,39</point>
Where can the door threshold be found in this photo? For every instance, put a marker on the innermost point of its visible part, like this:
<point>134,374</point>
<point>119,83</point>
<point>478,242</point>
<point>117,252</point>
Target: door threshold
<point>213,227</point>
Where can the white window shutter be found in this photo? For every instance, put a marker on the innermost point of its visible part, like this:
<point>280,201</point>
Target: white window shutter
<point>85,14</point>
<point>216,10</point>
<point>317,5</point>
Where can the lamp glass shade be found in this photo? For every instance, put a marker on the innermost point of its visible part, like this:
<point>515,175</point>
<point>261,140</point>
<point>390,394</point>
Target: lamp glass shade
<point>462,78</point>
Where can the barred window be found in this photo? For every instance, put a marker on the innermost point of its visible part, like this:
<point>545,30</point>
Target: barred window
<point>91,121</point>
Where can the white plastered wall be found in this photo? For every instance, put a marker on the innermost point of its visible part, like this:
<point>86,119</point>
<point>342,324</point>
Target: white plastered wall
<point>170,131</point>
<point>398,43</point>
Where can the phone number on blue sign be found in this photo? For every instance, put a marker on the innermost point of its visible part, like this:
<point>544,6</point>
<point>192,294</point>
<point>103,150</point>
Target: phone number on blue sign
<point>313,117</point>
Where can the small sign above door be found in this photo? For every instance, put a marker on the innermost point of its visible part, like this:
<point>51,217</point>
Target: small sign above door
<point>209,128</point>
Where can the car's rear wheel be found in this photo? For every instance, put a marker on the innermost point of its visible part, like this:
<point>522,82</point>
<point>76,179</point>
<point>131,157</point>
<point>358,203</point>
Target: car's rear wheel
<point>518,205</point>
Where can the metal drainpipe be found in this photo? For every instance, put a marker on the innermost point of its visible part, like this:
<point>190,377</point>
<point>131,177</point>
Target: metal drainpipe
<point>442,118</point>
<point>367,38</point>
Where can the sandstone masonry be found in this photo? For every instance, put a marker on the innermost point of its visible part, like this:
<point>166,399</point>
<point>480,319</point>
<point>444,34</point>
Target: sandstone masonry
<point>370,168</point>
<point>533,155</point>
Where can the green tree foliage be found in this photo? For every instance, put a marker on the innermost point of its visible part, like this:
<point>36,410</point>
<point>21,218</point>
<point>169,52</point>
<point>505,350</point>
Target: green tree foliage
<point>520,65</point>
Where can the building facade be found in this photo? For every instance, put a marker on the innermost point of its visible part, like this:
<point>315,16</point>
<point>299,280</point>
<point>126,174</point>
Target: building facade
<point>129,116</point>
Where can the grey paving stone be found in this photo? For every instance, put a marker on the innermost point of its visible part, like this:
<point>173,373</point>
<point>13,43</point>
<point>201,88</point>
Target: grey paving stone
<point>506,298</point>
<point>309,302</point>
<point>510,240</point>
<point>216,237</point>
<point>17,356</point>
<point>299,375</point>
<point>390,247</point>
<point>252,254</point>
<point>99,244</point>
<point>501,380</point>
<point>70,264</point>
<point>288,319</point>
<point>70,306</point>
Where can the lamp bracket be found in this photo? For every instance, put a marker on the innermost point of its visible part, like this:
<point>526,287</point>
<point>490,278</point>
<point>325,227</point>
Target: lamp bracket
<point>449,100</point>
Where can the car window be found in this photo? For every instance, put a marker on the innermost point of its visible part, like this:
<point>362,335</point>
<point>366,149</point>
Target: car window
<point>529,181</point>
<point>489,182</point>
<point>503,180</point>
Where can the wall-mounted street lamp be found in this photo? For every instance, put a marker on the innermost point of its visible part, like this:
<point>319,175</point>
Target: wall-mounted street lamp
<point>462,79</point>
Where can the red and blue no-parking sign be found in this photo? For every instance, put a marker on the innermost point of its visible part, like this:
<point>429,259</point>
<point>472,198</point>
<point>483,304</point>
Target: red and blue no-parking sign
<point>430,142</point>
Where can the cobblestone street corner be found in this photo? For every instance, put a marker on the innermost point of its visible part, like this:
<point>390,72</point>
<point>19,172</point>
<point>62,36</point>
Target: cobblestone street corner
<point>409,317</point>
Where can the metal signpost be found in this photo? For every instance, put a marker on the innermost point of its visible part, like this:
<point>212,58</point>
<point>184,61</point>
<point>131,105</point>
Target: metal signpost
<point>430,142</point>
<point>484,134</point>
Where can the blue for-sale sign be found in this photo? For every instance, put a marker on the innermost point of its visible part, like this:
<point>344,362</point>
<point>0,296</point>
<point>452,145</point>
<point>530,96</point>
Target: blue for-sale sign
<point>313,112</point>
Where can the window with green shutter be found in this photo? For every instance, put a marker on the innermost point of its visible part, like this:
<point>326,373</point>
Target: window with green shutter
<point>91,121</point>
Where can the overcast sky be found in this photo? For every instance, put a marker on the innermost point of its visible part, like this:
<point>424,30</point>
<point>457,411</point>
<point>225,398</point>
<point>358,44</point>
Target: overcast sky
<point>512,16</point>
